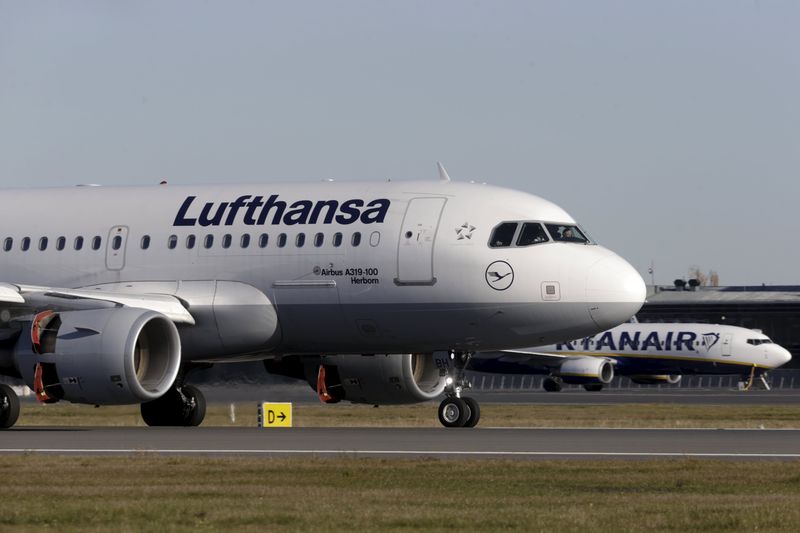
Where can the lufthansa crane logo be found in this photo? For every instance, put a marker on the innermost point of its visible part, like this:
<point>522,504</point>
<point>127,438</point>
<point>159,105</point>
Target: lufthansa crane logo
<point>499,275</point>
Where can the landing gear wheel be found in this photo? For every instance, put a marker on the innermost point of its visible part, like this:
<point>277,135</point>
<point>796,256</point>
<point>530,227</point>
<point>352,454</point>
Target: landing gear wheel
<point>184,407</point>
<point>196,408</point>
<point>453,412</point>
<point>593,387</point>
<point>9,407</point>
<point>552,385</point>
<point>474,412</point>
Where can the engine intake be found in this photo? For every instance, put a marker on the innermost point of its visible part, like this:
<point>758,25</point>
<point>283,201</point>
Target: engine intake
<point>105,356</point>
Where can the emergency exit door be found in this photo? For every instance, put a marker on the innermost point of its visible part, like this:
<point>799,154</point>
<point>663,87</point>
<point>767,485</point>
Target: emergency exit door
<point>115,247</point>
<point>417,237</point>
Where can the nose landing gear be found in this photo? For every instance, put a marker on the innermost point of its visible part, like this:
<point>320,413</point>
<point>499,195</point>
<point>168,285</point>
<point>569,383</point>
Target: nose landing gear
<point>458,411</point>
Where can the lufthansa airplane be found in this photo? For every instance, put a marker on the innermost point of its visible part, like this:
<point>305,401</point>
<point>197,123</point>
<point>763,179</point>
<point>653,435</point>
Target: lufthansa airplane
<point>648,354</point>
<point>111,295</point>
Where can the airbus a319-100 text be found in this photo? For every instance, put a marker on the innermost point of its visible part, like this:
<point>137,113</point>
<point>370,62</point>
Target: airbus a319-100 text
<point>111,295</point>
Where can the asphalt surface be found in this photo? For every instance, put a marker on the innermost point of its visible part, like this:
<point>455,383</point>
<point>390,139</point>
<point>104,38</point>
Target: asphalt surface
<point>519,443</point>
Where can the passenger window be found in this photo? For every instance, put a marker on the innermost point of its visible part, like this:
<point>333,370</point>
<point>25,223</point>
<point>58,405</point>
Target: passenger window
<point>43,244</point>
<point>96,242</point>
<point>566,233</point>
<point>337,239</point>
<point>172,242</point>
<point>116,243</point>
<point>61,243</point>
<point>319,238</point>
<point>190,241</point>
<point>8,244</point>
<point>25,244</point>
<point>532,233</point>
<point>281,240</point>
<point>208,242</point>
<point>503,235</point>
<point>78,244</point>
<point>356,239</point>
<point>300,240</point>
<point>145,242</point>
<point>263,240</point>
<point>226,240</point>
<point>244,242</point>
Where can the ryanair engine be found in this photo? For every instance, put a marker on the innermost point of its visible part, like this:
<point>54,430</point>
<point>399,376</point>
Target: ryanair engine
<point>656,379</point>
<point>120,355</point>
<point>372,378</point>
<point>586,370</point>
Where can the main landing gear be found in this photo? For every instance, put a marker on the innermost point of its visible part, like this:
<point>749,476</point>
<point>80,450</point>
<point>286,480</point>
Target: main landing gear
<point>458,411</point>
<point>181,405</point>
<point>9,407</point>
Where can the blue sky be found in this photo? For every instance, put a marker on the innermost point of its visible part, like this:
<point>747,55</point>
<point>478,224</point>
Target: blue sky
<point>671,130</point>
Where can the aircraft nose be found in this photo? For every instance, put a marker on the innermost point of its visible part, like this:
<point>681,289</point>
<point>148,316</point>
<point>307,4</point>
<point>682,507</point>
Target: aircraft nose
<point>782,355</point>
<point>614,290</point>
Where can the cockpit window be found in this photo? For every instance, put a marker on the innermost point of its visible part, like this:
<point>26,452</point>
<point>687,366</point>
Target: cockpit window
<point>532,233</point>
<point>756,342</point>
<point>503,235</point>
<point>566,233</point>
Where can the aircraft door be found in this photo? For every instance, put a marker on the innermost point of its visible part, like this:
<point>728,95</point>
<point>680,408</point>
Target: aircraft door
<point>726,344</point>
<point>417,236</point>
<point>115,247</point>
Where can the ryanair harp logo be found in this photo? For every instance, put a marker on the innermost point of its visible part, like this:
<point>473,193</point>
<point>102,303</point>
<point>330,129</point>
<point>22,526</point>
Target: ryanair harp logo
<point>256,211</point>
<point>710,339</point>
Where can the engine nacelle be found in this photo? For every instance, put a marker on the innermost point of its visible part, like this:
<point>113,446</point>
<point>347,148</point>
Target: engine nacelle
<point>656,379</point>
<point>380,379</point>
<point>105,356</point>
<point>582,370</point>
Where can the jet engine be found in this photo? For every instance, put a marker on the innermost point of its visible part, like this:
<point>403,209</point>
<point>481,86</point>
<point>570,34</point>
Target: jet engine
<point>379,379</point>
<point>105,356</point>
<point>656,379</point>
<point>583,370</point>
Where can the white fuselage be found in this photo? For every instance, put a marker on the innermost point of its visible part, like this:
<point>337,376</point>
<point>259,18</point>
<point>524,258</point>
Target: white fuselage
<point>367,267</point>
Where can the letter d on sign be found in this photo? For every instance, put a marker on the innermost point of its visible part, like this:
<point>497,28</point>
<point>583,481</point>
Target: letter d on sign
<point>273,415</point>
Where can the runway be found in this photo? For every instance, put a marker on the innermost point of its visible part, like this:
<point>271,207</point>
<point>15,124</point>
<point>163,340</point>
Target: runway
<point>518,443</point>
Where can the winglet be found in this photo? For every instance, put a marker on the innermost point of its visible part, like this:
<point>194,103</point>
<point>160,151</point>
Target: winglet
<point>442,172</point>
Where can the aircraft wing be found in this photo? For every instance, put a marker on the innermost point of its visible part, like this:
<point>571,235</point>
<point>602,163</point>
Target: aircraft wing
<point>59,299</point>
<point>519,362</point>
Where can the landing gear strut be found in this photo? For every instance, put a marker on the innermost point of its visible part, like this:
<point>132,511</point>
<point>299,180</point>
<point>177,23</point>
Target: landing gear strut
<point>9,407</point>
<point>458,411</point>
<point>181,405</point>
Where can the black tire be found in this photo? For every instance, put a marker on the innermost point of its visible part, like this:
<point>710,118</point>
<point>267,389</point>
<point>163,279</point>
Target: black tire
<point>474,412</point>
<point>593,387</point>
<point>551,385</point>
<point>453,412</point>
<point>9,407</point>
<point>162,411</point>
<point>195,416</point>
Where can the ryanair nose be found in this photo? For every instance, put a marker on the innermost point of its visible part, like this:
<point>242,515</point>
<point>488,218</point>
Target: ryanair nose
<point>614,290</point>
<point>779,355</point>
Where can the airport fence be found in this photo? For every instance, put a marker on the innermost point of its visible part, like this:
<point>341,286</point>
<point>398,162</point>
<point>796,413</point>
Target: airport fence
<point>777,379</point>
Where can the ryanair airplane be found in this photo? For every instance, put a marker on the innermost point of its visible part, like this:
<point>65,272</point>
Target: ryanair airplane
<point>648,354</point>
<point>112,295</point>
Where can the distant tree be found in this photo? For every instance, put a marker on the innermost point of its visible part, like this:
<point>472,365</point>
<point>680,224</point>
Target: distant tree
<point>696,273</point>
<point>713,278</point>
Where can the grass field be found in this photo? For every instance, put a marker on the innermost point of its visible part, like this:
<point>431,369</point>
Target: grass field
<point>188,494</point>
<point>424,415</point>
<point>152,493</point>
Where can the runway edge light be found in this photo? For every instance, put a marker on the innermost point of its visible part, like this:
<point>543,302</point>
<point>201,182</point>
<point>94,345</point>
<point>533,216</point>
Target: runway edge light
<point>275,414</point>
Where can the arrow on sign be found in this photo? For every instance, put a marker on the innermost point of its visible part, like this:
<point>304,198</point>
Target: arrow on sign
<point>282,417</point>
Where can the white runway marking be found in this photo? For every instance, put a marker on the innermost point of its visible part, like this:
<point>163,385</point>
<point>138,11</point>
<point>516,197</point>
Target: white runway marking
<point>396,452</point>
